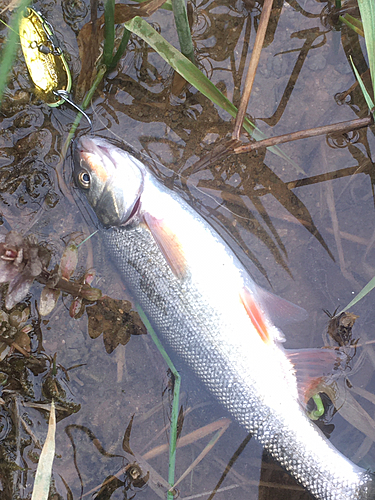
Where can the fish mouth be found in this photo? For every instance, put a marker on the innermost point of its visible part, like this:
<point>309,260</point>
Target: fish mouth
<point>86,144</point>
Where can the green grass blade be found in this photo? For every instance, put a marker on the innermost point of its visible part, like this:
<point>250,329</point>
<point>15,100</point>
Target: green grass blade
<point>44,470</point>
<point>366,95</point>
<point>121,49</point>
<point>195,77</point>
<point>354,21</point>
<point>175,405</point>
<point>166,6</point>
<point>182,65</point>
<point>109,32</point>
<point>8,54</point>
<point>365,290</point>
<point>367,11</point>
<point>183,29</point>
<point>349,22</point>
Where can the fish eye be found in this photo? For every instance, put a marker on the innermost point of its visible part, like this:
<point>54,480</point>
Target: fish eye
<point>84,179</point>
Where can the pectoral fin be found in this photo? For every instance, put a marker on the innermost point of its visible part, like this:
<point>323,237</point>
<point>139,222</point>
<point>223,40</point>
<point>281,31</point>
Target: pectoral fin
<point>255,314</point>
<point>168,244</point>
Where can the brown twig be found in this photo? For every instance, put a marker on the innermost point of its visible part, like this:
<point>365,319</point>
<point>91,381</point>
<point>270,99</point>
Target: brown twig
<point>10,343</point>
<point>263,23</point>
<point>341,97</point>
<point>341,127</point>
<point>315,179</point>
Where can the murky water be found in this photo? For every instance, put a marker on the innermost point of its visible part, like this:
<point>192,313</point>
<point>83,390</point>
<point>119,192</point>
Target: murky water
<point>312,244</point>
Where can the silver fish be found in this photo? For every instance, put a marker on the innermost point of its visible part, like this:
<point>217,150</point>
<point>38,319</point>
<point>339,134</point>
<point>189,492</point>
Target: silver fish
<point>202,302</point>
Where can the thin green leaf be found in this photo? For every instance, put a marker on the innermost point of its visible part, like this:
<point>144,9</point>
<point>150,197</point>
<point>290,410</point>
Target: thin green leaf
<point>354,21</point>
<point>367,11</point>
<point>183,29</point>
<point>357,29</point>
<point>365,290</point>
<point>166,6</point>
<point>182,65</point>
<point>44,470</point>
<point>175,405</point>
<point>109,32</point>
<point>195,77</point>
<point>121,49</point>
<point>8,54</point>
<point>366,95</point>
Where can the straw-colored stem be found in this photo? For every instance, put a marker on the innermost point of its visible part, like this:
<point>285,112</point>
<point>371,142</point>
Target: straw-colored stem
<point>250,77</point>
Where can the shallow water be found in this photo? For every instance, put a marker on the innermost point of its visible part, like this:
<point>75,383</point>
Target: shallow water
<point>319,264</point>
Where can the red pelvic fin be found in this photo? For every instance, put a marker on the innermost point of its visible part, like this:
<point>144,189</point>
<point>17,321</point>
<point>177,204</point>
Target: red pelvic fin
<point>168,243</point>
<point>255,314</point>
<point>316,368</point>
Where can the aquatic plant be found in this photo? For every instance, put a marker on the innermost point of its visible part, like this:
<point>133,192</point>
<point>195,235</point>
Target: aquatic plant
<point>24,260</point>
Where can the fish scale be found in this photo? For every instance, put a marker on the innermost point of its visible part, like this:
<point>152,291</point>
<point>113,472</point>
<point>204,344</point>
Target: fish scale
<point>201,318</point>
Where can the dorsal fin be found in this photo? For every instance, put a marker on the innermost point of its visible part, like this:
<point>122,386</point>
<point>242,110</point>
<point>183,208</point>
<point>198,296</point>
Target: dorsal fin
<point>168,243</point>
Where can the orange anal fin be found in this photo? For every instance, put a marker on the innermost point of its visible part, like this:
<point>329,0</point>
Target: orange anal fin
<point>255,315</point>
<point>168,244</point>
<point>316,368</point>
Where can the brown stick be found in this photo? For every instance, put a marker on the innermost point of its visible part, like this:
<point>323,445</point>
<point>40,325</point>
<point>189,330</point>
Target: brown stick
<point>308,181</point>
<point>263,23</point>
<point>344,95</point>
<point>303,134</point>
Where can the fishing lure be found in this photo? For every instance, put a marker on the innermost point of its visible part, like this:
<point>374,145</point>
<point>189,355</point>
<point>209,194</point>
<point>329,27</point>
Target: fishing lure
<point>44,58</point>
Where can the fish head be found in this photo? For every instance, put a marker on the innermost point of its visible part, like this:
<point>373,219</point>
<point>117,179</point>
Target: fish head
<point>111,179</point>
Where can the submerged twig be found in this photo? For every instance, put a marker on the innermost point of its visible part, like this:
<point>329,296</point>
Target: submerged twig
<point>341,127</point>
<point>230,464</point>
<point>263,23</point>
<point>190,438</point>
<point>315,179</point>
<point>206,450</point>
<point>343,95</point>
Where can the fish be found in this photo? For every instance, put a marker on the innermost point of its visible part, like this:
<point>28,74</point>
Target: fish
<point>202,302</point>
